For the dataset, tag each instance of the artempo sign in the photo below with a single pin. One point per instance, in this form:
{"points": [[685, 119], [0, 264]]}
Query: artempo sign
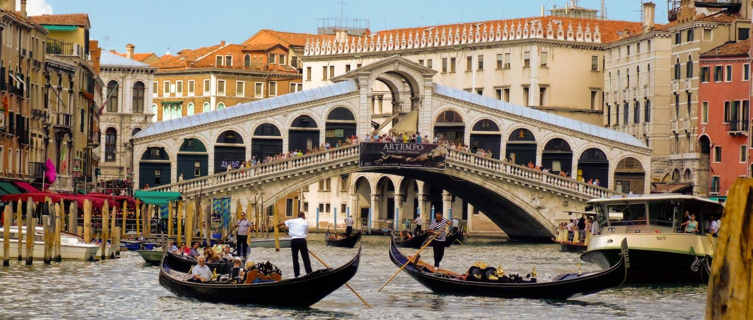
{"points": [[377, 154]]}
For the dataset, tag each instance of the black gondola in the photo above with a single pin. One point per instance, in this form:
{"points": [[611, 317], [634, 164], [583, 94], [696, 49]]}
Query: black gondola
{"points": [[346, 242], [183, 264], [296, 292], [562, 287], [418, 241]]}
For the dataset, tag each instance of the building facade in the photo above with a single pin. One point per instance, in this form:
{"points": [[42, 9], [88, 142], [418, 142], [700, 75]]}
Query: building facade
{"points": [[223, 75], [724, 115], [127, 96]]}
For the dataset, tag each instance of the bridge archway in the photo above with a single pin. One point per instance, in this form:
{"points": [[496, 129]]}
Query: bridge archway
{"points": [[154, 168], [593, 164], [557, 156], [193, 159], [229, 150], [362, 206], [629, 176], [521, 147], [449, 126], [409, 196], [486, 135], [266, 141], [385, 191], [303, 134], [340, 125]]}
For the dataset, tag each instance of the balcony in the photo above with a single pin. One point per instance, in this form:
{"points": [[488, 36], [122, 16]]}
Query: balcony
{"points": [[63, 121], [63, 48], [738, 127], [36, 169]]}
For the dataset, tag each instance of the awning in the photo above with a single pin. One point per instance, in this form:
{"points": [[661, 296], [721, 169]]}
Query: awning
{"points": [[34, 196], [60, 28], [8, 188], [155, 197], [721, 199], [26, 187]]}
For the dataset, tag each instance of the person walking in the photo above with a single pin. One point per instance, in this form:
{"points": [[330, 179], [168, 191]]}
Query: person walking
{"points": [[439, 227], [348, 225], [298, 231], [241, 244]]}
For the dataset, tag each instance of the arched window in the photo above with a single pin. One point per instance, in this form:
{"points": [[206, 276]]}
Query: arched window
{"points": [[190, 109], [112, 96], [206, 107], [637, 112], [220, 106], [485, 125], [111, 137], [647, 111], [154, 112], [626, 109], [689, 67], [247, 61], [138, 97], [135, 131]]}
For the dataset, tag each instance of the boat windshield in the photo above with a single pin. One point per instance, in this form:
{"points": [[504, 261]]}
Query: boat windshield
{"points": [[673, 214], [626, 214]]}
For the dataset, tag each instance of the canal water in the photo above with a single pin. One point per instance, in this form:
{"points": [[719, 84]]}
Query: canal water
{"points": [[127, 289]]}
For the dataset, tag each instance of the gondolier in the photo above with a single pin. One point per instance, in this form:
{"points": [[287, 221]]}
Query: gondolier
{"points": [[241, 244], [419, 222], [348, 225], [298, 230], [439, 227]]}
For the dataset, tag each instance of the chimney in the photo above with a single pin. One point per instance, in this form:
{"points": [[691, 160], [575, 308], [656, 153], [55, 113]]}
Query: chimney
{"points": [[95, 52], [129, 51], [23, 8], [222, 43], [649, 8]]}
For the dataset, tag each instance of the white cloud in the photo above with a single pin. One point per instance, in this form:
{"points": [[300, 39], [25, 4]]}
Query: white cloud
{"points": [[36, 7]]}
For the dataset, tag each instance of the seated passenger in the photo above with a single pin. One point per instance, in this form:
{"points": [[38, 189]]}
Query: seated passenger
{"points": [[194, 252], [173, 248], [226, 253], [692, 226], [237, 271], [211, 257], [201, 272]]}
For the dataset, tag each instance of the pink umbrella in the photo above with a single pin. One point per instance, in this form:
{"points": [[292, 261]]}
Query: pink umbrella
{"points": [[50, 172]]}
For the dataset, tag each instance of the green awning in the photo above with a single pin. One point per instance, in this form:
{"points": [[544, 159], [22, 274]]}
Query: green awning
{"points": [[60, 28], [8, 188], [156, 197], [718, 198]]}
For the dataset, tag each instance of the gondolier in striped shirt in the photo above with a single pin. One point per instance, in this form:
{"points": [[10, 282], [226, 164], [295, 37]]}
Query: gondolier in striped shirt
{"points": [[439, 227]]}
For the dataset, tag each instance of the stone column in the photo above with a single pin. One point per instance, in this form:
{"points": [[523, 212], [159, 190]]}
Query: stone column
{"points": [[373, 210], [469, 222], [446, 204], [398, 203], [354, 210]]}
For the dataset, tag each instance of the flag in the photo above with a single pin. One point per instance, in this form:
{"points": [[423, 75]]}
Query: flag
{"points": [[50, 173]]}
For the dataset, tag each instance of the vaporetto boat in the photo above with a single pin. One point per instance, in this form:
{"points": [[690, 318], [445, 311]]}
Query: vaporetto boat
{"points": [[661, 251], [72, 247]]}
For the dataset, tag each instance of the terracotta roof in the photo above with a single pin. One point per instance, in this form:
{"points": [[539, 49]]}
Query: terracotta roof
{"points": [[136, 56], [272, 36], [262, 46], [73, 19], [206, 57], [169, 61], [729, 49]]}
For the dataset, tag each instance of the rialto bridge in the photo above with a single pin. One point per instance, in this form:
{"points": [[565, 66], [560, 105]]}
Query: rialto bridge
{"points": [[192, 154]]}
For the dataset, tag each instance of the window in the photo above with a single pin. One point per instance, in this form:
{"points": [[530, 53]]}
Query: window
{"points": [[444, 65], [480, 62], [347, 68], [155, 88], [206, 107], [218, 61], [247, 61], [191, 109], [690, 35], [452, 65], [421, 61], [324, 73], [111, 137], [191, 87], [500, 61], [112, 96], [626, 115], [746, 72], [715, 184], [718, 73], [308, 73], [544, 59], [705, 74], [743, 153], [295, 87], [480, 91], [498, 92], [206, 87], [294, 61], [729, 74], [165, 88], [197, 168], [507, 60], [609, 115], [138, 97], [647, 111], [358, 65], [727, 111], [677, 69], [678, 38], [743, 33], [240, 88], [526, 59], [689, 68], [705, 112], [690, 103], [271, 58], [259, 90], [627, 48], [220, 87], [525, 96], [429, 64], [331, 72], [507, 94], [229, 61], [283, 59], [542, 96], [594, 63], [272, 88], [637, 112], [718, 154], [468, 64], [179, 87]]}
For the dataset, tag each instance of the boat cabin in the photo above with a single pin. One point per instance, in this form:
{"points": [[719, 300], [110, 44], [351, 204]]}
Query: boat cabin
{"points": [[654, 213]]}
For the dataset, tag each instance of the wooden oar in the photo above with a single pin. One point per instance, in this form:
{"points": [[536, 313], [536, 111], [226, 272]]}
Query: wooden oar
{"points": [[429, 241], [346, 284]]}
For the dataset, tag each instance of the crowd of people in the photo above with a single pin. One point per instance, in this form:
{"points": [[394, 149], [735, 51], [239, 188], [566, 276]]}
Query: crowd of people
{"points": [[580, 226]]}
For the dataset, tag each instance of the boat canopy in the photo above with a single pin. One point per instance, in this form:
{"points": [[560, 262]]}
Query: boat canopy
{"points": [[156, 197]]}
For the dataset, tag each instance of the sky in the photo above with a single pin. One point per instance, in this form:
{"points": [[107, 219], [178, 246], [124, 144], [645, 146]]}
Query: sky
{"points": [[162, 26]]}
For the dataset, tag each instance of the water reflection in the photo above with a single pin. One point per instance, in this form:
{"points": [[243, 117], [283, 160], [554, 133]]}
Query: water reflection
{"points": [[125, 288]]}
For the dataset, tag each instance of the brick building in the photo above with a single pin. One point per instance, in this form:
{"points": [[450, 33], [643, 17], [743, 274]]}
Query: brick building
{"points": [[214, 77], [724, 114]]}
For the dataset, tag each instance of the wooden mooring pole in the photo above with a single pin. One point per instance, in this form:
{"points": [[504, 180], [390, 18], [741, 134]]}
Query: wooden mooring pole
{"points": [[46, 237], [87, 221], [179, 224], [6, 234], [30, 230], [105, 215], [58, 229], [20, 224], [72, 217], [115, 243]]}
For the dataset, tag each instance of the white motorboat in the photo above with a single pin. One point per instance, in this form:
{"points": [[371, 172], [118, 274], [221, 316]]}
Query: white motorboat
{"points": [[72, 247]]}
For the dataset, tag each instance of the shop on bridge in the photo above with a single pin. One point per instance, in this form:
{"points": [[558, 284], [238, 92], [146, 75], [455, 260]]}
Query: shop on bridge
{"points": [[341, 124], [266, 141], [593, 164], [521, 147], [486, 135], [449, 126], [229, 151], [154, 168], [629, 176], [304, 134], [557, 157], [193, 159]]}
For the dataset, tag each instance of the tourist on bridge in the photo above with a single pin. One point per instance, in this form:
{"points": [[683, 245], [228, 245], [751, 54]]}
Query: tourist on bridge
{"points": [[241, 244], [298, 230], [348, 225], [439, 227]]}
